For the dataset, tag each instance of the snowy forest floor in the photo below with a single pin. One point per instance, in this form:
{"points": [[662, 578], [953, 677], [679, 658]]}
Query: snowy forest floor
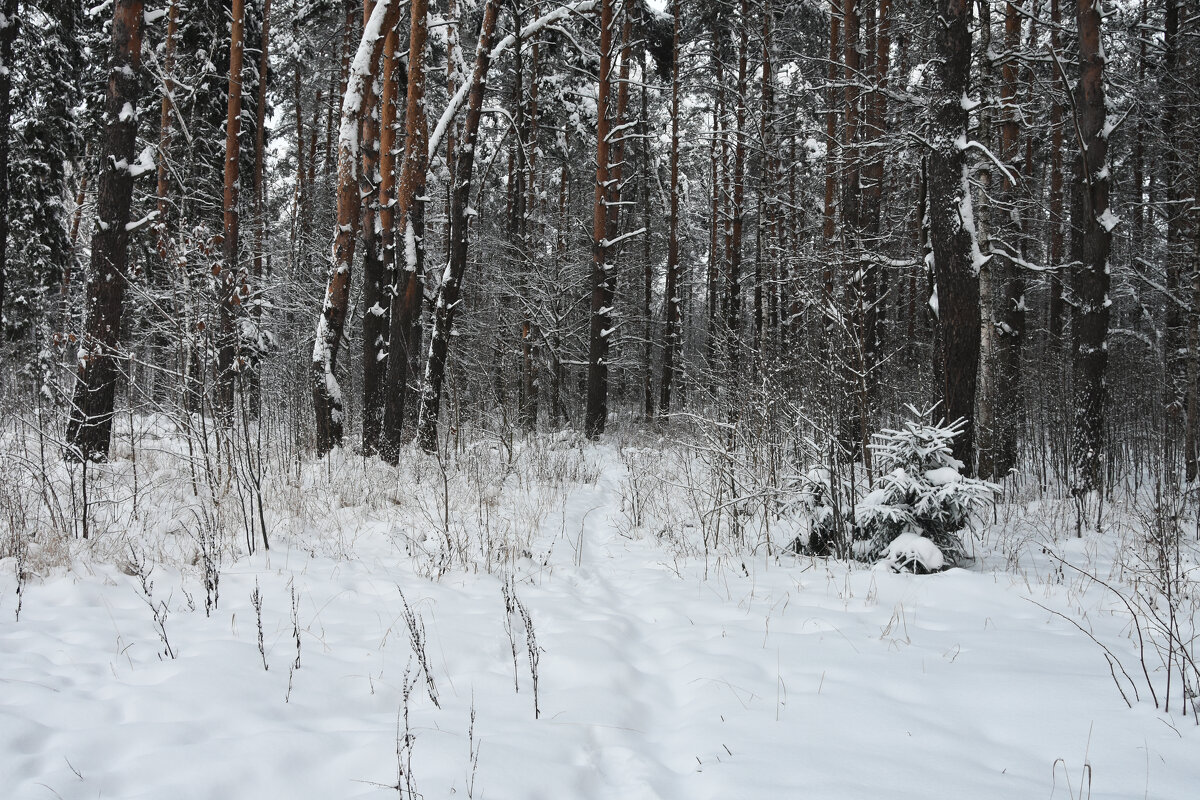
{"points": [[382, 646]]}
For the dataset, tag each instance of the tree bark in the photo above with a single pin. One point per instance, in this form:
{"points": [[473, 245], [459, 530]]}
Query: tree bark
{"points": [[327, 392], [1057, 201], [596, 414], [254, 386], [9, 26], [956, 255], [671, 327], [999, 386], [165, 135], [733, 277], [409, 288], [832, 144], [379, 275], [448, 292], [231, 281], [1091, 230], [89, 428]]}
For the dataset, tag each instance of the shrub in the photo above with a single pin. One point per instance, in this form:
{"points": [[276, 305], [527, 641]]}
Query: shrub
{"points": [[912, 516], [921, 491]]}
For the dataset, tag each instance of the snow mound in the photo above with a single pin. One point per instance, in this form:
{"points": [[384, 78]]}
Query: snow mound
{"points": [[911, 551]]}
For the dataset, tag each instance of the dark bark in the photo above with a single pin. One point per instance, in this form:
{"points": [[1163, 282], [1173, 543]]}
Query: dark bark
{"points": [[89, 428], [231, 281], [998, 440], [602, 277], [379, 273], [951, 231], [1057, 235], [1091, 237], [448, 294], [8, 35], [671, 327], [409, 285], [327, 393], [253, 385]]}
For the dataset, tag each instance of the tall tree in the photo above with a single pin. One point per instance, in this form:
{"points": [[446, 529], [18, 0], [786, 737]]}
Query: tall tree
{"points": [[89, 428], [379, 278], [1057, 195], [447, 299], [9, 25], [671, 332], [602, 277], [231, 285], [327, 392], [448, 293], [1092, 223], [956, 255], [409, 284]]}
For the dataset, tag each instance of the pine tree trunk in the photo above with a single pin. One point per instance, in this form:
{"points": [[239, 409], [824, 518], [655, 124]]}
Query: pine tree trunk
{"points": [[372, 255], [1177, 205], [671, 328], [1057, 234], [951, 228], [647, 158], [165, 135], [733, 278], [832, 170], [596, 414], [1010, 401], [377, 282], [1092, 223], [253, 381], [529, 332], [231, 281], [89, 428], [448, 293], [8, 35], [327, 393], [409, 287]]}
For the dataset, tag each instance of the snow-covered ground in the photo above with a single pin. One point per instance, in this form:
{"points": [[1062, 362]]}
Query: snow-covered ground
{"points": [[662, 671]]}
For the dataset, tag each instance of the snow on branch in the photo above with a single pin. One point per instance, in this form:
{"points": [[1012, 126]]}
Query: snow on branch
{"points": [[606, 243], [460, 97]]}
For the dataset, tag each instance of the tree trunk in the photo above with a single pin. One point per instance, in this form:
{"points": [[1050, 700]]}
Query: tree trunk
{"points": [[448, 292], [372, 256], [165, 132], [254, 386], [379, 276], [89, 428], [647, 157], [529, 332], [956, 255], [1057, 234], [8, 34], [1004, 322], [832, 143], [231, 282], [733, 278], [1091, 229], [327, 393], [671, 299], [409, 288], [1177, 210], [602, 279]]}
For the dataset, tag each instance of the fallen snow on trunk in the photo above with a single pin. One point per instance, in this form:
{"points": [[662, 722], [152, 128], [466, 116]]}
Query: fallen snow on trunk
{"points": [[659, 676]]}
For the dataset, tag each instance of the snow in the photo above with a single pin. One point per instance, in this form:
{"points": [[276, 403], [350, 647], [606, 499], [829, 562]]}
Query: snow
{"points": [[942, 476], [1108, 220], [666, 669], [912, 548]]}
